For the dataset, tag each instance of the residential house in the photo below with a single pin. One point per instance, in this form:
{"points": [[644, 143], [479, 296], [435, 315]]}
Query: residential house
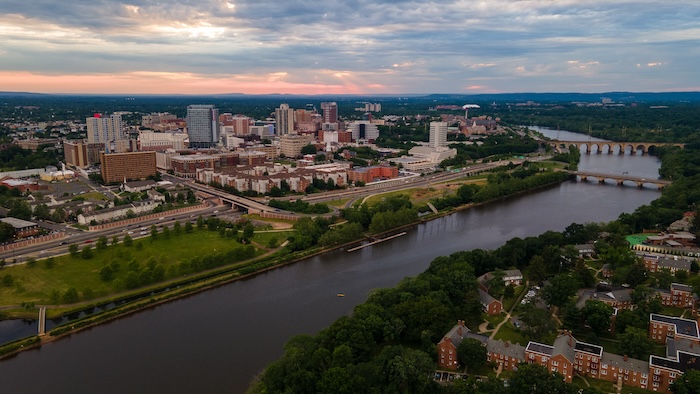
{"points": [[491, 305]]}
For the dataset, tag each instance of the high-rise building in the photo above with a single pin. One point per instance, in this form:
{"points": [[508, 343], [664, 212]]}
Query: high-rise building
{"points": [[438, 134], [363, 130], [284, 118], [104, 129], [330, 112], [76, 153], [203, 126], [118, 167]]}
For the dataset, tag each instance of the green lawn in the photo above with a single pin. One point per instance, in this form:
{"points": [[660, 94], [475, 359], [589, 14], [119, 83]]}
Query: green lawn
{"points": [[337, 203], [509, 333], [495, 319], [36, 284], [264, 238], [671, 311], [95, 196]]}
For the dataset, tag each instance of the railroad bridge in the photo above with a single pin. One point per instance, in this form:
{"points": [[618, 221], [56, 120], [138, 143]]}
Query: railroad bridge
{"points": [[612, 146], [620, 179]]}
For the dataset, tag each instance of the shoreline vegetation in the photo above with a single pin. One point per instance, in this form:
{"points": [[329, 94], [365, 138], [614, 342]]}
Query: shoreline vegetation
{"points": [[388, 343], [172, 290]]}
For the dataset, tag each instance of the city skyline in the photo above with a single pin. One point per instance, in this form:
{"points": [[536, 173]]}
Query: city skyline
{"points": [[335, 47]]}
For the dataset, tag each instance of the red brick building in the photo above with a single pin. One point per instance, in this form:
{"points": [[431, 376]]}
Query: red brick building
{"points": [[447, 347], [371, 174]]}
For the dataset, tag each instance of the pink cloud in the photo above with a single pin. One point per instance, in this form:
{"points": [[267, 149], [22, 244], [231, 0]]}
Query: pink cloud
{"points": [[173, 83]]}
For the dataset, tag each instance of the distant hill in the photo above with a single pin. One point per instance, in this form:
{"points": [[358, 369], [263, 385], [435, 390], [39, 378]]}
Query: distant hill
{"points": [[617, 97]]}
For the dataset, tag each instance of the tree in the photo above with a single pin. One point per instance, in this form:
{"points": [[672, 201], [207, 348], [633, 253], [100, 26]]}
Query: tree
{"points": [[106, 273], [471, 353], [248, 230], [627, 318], [536, 379], [42, 212], [188, 227], [73, 250], [538, 322], [70, 296], [688, 383], [496, 284], [154, 232], [308, 150], [200, 222], [7, 232], [128, 241], [583, 274], [635, 343], [597, 315], [101, 243], [177, 228], [86, 252], [561, 288]]}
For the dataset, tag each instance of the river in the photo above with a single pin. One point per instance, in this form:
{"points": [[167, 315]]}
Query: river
{"points": [[217, 341]]}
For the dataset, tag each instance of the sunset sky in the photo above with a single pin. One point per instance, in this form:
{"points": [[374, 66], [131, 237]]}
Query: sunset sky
{"points": [[348, 47]]}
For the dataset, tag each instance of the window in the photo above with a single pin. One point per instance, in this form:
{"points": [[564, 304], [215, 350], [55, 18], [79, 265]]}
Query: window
{"points": [[555, 363], [672, 374], [595, 359], [544, 359]]}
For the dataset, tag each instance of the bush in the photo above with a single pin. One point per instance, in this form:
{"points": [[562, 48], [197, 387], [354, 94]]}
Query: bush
{"points": [[70, 296]]}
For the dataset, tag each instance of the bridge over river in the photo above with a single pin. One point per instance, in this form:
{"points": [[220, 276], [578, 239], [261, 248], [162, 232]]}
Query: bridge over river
{"points": [[620, 179], [611, 147]]}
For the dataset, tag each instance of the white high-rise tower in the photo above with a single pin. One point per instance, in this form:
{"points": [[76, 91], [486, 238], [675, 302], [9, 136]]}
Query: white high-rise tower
{"points": [[438, 134]]}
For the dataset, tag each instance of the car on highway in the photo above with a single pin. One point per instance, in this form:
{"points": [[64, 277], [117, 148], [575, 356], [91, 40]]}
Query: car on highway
{"points": [[130, 232]]}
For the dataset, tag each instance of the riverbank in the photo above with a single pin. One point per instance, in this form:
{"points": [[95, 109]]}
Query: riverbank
{"points": [[209, 280]]}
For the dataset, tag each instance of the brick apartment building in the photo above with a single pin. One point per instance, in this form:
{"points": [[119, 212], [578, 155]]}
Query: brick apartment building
{"points": [[117, 167]]}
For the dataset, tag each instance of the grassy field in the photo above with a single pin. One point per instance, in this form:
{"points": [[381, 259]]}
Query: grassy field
{"points": [[418, 196], [37, 284], [508, 333]]}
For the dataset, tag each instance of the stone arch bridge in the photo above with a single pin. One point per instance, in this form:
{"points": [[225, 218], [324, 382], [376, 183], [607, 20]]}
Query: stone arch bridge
{"points": [[612, 146]]}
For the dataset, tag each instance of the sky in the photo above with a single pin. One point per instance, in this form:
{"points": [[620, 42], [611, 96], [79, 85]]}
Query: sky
{"points": [[348, 47]]}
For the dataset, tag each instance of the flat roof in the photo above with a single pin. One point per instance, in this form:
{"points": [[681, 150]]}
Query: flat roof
{"points": [[589, 348], [18, 223], [539, 348], [683, 326]]}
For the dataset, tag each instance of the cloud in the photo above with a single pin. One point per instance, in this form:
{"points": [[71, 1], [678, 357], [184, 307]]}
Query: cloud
{"points": [[402, 45]]}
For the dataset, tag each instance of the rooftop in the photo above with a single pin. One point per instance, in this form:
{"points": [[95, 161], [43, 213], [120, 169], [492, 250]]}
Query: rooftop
{"points": [[18, 223], [683, 326], [539, 348]]}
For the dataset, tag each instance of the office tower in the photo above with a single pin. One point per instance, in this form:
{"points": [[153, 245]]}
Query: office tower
{"points": [[330, 112], [203, 126], [438, 134], [104, 129], [363, 130], [284, 118]]}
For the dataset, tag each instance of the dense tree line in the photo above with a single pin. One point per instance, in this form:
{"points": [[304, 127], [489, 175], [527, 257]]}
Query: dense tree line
{"points": [[494, 145], [300, 206], [16, 158], [404, 323]]}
